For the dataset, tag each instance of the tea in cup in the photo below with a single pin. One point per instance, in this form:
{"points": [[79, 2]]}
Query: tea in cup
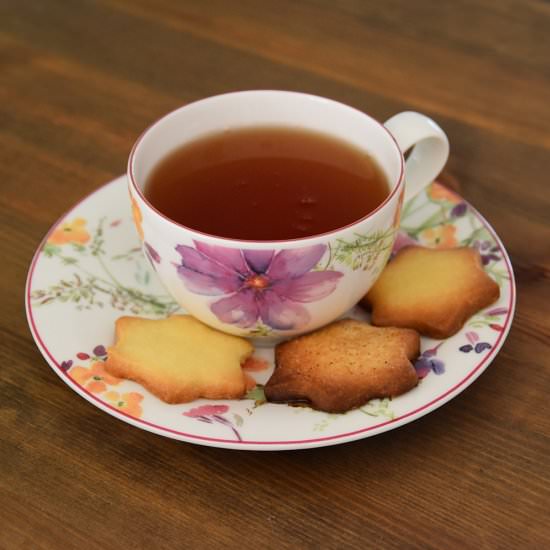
{"points": [[268, 214]]}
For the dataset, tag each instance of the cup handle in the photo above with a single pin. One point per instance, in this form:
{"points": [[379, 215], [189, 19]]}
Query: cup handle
{"points": [[430, 148]]}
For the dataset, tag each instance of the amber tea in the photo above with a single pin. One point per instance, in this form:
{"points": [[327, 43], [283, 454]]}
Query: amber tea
{"points": [[266, 183]]}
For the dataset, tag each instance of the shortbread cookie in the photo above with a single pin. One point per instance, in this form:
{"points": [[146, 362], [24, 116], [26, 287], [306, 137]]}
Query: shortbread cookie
{"points": [[344, 365], [433, 291], [179, 359]]}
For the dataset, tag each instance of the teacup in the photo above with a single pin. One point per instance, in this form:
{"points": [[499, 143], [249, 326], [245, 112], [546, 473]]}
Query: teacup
{"points": [[275, 289]]}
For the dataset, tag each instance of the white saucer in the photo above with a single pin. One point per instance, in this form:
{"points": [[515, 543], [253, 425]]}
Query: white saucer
{"points": [[89, 270]]}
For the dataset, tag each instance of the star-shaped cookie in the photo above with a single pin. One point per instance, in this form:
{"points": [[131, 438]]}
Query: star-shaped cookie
{"points": [[344, 365], [179, 359], [433, 291]]}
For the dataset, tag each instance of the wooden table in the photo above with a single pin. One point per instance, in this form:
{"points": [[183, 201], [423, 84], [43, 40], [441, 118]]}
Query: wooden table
{"points": [[79, 82]]}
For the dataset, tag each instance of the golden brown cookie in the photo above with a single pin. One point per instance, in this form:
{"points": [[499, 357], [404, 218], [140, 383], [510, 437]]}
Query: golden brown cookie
{"points": [[179, 359], [433, 291], [344, 365]]}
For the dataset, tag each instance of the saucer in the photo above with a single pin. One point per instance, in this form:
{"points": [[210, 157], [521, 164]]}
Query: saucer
{"points": [[89, 270]]}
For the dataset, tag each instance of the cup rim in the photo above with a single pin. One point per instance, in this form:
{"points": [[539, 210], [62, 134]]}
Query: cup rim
{"points": [[132, 179]]}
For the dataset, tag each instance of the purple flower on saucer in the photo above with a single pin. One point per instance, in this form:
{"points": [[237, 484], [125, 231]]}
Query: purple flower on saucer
{"points": [[459, 210], [428, 362], [488, 251], [257, 284]]}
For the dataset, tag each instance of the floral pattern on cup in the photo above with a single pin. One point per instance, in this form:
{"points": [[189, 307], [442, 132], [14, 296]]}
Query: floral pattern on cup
{"points": [[152, 255], [137, 216], [257, 285]]}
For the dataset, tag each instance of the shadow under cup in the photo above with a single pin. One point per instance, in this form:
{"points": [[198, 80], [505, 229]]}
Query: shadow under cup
{"points": [[267, 289]]}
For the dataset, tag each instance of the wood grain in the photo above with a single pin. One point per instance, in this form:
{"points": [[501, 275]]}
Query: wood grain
{"points": [[78, 83]]}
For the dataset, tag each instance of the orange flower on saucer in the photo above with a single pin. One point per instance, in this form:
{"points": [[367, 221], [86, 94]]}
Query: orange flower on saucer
{"points": [[129, 403], [138, 218], [438, 192], [442, 236], [255, 364], [70, 232], [94, 379]]}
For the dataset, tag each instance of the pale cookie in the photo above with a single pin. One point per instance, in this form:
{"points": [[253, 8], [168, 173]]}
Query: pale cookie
{"points": [[433, 291], [179, 359], [344, 365]]}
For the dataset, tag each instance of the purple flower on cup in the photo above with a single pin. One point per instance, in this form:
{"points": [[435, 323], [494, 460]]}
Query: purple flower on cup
{"points": [[257, 284], [152, 254]]}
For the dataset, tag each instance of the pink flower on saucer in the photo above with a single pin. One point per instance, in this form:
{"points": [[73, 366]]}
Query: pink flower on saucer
{"points": [[206, 410], [257, 284]]}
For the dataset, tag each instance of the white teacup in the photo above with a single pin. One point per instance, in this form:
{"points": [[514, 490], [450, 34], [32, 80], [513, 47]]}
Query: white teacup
{"points": [[274, 289]]}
